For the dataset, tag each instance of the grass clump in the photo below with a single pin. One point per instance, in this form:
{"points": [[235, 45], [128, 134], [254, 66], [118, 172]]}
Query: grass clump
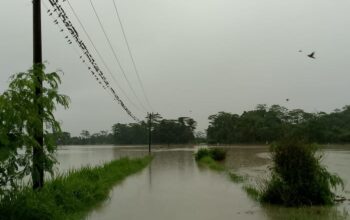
{"points": [[210, 157], [236, 178], [217, 154], [69, 196], [211, 163], [252, 192], [298, 177]]}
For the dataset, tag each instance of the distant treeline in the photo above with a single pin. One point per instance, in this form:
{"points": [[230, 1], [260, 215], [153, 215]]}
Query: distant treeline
{"points": [[164, 131], [266, 124]]}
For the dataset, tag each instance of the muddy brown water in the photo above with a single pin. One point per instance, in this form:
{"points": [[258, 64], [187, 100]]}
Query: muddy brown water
{"points": [[174, 187]]}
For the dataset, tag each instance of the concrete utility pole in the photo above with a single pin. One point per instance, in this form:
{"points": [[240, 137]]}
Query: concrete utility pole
{"points": [[38, 151], [150, 115]]}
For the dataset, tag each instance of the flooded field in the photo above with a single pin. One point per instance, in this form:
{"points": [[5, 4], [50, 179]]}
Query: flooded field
{"points": [[174, 187]]}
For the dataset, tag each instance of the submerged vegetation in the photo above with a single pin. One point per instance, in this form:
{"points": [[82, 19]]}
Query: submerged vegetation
{"points": [[217, 154], [298, 178], [236, 178], [210, 157], [69, 196], [211, 163]]}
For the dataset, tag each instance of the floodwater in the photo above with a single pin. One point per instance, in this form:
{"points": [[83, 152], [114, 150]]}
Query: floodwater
{"points": [[174, 187]]}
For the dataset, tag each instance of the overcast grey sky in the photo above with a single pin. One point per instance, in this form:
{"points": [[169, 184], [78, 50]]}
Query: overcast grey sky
{"points": [[195, 57]]}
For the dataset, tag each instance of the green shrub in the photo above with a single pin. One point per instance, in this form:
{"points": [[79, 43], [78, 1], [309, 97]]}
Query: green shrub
{"points": [[252, 192], [201, 153], [298, 177], [236, 178], [217, 154]]}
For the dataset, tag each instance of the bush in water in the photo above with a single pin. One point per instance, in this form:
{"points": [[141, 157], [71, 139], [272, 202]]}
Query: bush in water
{"points": [[217, 154], [298, 177]]}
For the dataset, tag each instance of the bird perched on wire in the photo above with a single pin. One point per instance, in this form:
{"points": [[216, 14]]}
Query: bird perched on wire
{"points": [[312, 55]]}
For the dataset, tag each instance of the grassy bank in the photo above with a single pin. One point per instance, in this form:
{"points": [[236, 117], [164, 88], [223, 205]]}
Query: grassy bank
{"points": [[211, 157], [211, 163], [70, 196]]}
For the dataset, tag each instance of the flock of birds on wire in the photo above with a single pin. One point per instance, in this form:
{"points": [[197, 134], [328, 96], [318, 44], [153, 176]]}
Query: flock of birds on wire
{"points": [[89, 61]]}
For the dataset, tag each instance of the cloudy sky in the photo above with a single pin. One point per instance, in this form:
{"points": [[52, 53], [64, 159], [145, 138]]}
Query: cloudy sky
{"points": [[195, 57]]}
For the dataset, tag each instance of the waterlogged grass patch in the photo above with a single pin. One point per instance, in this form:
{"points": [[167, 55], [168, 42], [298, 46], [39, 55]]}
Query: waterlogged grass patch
{"points": [[252, 192], [210, 157], [211, 163], [69, 196], [217, 154], [236, 178]]}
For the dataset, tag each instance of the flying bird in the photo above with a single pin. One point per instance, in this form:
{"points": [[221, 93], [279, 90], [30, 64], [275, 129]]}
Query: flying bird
{"points": [[287, 100], [312, 55], [300, 51]]}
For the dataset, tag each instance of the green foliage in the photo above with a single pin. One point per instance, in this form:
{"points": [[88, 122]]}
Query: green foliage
{"points": [[210, 157], [203, 152], [22, 113], [102, 137], [69, 196], [133, 133], [267, 124], [236, 178], [211, 163], [217, 154], [252, 192], [298, 178], [164, 131]]}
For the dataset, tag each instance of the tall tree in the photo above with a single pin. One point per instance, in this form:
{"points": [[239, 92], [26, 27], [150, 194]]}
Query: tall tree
{"points": [[20, 120]]}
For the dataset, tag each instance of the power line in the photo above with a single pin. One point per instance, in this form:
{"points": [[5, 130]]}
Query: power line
{"points": [[131, 55], [115, 54], [100, 56], [76, 50], [96, 71]]}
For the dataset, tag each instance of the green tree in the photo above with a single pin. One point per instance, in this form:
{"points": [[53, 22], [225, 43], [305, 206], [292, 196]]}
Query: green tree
{"points": [[64, 138], [265, 125], [20, 117], [133, 133]]}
